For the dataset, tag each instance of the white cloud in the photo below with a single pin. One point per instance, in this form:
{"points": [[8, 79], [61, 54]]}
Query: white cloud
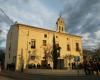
{"points": [[88, 41], [97, 34], [86, 36], [31, 12], [35, 13]]}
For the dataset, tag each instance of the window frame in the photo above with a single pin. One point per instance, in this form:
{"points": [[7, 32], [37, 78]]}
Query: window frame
{"points": [[68, 47], [44, 42], [33, 43], [77, 47], [45, 35]]}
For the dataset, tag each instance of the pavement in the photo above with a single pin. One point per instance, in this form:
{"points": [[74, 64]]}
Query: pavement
{"points": [[5, 78], [56, 72], [43, 74]]}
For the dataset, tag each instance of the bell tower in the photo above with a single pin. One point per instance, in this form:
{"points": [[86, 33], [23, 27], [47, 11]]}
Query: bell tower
{"points": [[60, 25]]}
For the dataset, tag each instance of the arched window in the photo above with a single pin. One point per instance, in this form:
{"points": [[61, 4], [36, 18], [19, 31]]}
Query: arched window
{"points": [[59, 28], [77, 46], [68, 47], [33, 43], [62, 28], [44, 42]]}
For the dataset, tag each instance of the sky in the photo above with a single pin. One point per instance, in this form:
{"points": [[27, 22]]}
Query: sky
{"points": [[82, 17]]}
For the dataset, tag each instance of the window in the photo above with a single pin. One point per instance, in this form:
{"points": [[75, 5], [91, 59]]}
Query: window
{"points": [[56, 36], [45, 35], [9, 48], [32, 57], [59, 28], [14, 58], [67, 38], [44, 42], [77, 46], [62, 28], [61, 22], [68, 47], [9, 55], [33, 43]]}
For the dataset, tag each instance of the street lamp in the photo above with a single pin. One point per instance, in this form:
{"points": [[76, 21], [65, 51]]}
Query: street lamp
{"points": [[58, 53]]}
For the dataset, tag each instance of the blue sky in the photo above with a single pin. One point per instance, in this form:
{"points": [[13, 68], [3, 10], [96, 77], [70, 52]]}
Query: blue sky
{"points": [[82, 17]]}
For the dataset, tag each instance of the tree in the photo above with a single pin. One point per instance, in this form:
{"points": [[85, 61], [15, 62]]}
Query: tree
{"points": [[97, 53], [2, 57], [98, 50], [55, 53]]}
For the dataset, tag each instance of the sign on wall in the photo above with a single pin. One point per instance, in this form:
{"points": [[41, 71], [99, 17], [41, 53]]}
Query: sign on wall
{"points": [[77, 58]]}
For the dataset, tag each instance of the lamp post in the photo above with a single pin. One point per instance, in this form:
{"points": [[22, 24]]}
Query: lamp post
{"points": [[58, 53]]}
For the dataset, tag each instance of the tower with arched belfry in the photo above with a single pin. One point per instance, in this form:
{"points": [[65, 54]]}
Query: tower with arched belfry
{"points": [[60, 25]]}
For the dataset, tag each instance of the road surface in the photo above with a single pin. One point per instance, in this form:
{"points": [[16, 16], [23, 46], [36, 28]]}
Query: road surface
{"points": [[5, 78], [52, 75]]}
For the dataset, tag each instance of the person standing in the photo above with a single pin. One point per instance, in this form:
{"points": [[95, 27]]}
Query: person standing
{"points": [[97, 68], [85, 66]]}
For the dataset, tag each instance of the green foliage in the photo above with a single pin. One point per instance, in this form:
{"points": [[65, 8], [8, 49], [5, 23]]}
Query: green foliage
{"points": [[2, 56], [55, 54]]}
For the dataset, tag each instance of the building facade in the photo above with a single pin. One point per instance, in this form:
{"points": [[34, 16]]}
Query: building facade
{"points": [[29, 45]]}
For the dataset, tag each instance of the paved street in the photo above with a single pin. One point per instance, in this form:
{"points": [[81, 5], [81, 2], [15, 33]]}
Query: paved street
{"points": [[40, 76], [53, 78], [55, 72], [5, 78]]}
